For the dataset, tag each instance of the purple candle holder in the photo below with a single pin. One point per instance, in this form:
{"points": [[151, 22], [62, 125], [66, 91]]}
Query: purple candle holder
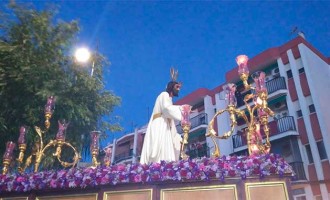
{"points": [[241, 61], [95, 136], [21, 138], [10, 146], [50, 105], [186, 109], [230, 90], [62, 126], [259, 79]]}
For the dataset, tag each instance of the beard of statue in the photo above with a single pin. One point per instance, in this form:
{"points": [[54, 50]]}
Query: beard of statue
{"points": [[175, 92]]}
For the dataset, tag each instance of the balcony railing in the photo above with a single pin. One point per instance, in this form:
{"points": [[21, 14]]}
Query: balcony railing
{"points": [[199, 152], [123, 156], [276, 84], [195, 122], [298, 168], [279, 126], [272, 86]]}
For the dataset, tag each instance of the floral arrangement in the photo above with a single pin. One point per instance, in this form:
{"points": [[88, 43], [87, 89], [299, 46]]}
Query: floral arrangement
{"points": [[199, 169]]}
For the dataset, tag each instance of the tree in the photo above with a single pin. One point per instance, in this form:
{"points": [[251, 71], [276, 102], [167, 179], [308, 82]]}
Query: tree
{"points": [[35, 62]]}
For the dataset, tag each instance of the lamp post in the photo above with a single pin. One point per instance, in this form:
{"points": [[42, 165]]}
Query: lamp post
{"points": [[83, 55]]}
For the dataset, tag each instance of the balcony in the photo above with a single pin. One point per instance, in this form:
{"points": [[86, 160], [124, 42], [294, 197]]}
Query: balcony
{"points": [[123, 157], [199, 151], [277, 127], [196, 121], [273, 85], [298, 168]]}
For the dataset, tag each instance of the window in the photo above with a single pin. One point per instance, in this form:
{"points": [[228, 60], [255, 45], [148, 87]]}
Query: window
{"points": [[321, 149], [299, 194], [289, 73], [309, 154], [311, 108], [299, 113], [301, 70]]}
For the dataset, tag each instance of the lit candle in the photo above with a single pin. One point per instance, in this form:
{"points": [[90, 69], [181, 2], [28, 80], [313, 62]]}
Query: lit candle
{"points": [[10, 146], [21, 138], [241, 61]]}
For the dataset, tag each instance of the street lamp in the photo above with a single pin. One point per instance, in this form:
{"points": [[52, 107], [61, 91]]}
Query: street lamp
{"points": [[83, 55]]}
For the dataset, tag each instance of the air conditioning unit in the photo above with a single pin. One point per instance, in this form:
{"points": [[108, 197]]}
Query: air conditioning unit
{"points": [[277, 116], [267, 79], [276, 72], [285, 113]]}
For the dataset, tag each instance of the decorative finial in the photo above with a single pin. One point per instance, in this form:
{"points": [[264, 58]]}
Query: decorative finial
{"points": [[174, 74]]}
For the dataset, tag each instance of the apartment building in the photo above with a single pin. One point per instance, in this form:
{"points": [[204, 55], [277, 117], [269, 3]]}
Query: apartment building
{"points": [[298, 79]]}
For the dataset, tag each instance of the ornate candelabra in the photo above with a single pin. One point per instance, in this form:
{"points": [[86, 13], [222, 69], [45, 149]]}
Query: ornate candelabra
{"points": [[257, 113], [38, 150], [94, 147], [185, 124]]}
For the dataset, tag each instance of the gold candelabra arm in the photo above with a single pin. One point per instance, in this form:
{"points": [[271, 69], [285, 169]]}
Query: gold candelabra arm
{"points": [[184, 142], [58, 149], [22, 148], [40, 134], [48, 115], [213, 134], [76, 156], [40, 154], [6, 163], [95, 153], [246, 99], [28, 162]]}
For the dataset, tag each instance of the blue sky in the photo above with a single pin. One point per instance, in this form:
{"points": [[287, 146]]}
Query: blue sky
{"points": [[201, 39]]}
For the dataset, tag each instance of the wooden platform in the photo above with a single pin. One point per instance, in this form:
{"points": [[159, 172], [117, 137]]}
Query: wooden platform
{"points": [[232, 189]]}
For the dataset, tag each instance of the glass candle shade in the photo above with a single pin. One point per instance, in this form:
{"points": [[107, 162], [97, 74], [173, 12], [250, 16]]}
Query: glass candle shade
{"points": [[230, 90], [60, 135], [10, 146], [186, 109], [241, 61], [259, 79], [107, 156], [50, 105], [21, 138], [94, 145]]}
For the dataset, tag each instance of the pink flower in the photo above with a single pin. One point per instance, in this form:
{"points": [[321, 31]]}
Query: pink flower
{"points": [[20, 179], [232, 173], [226, 166], [53, 183], [137, 178]]}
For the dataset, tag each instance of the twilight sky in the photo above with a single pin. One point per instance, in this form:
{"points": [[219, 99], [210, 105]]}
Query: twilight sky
{"points": [[143, 39]]}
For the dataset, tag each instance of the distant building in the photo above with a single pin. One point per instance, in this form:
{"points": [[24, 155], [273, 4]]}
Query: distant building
{"points": [[298, 83]]}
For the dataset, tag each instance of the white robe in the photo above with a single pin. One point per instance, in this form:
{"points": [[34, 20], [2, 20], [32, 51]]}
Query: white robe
{"points": [[161, 141]]}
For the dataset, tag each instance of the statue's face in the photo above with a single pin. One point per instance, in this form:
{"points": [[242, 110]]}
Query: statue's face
{"points": [[176, 89]]}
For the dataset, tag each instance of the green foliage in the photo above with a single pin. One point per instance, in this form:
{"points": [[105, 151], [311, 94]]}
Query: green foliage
{"points": [[35, 63]]}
